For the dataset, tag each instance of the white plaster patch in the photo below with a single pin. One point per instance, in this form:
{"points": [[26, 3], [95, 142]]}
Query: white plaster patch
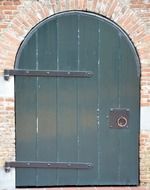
{"points": [[6, 87], [145, 118], [126, 1], [146, 1], [7, 180]]}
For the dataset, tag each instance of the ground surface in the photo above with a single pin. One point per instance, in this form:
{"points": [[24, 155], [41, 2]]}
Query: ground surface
{"points": [[90, 188]]}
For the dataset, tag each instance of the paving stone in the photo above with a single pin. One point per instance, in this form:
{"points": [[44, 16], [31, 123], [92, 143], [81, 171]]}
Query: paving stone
{"points": [[88, 188]]}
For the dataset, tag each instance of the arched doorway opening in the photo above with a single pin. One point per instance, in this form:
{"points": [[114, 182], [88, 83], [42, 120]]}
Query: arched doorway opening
{"points": [[77, 103]]}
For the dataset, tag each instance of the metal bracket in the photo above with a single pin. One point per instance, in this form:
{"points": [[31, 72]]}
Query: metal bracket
{"points": [[50, 73], [119, 118], [47, 165]]}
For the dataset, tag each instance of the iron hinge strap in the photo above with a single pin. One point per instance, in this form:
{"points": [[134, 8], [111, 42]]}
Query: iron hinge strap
{"points": [[47, 165], [47, 73]]}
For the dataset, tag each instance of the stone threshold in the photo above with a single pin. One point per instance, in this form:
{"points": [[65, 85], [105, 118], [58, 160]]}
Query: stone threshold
{"points": [[87, 188]]}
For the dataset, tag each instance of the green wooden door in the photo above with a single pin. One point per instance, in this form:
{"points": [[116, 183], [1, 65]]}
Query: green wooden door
{"points": [[77, 119]]}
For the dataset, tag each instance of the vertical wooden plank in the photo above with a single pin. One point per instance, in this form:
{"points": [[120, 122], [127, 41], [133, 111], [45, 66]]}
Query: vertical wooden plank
{"points": [[67, 58], [25, 94], [109, 138], [129, 98], [46, 141], [87, 99]]}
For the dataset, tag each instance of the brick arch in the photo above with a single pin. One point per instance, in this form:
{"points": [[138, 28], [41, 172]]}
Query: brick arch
{"points": [[35, 12], [32, 13]]}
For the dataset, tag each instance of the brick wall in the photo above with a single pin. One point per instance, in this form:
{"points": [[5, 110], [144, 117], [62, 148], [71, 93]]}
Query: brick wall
{"points": [[145, 158], [7, 141], [8, 9], [142, 9], [17, 17]]}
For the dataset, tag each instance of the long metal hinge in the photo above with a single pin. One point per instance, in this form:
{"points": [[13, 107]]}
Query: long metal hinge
{"points": [[47, 165], [49, 73]]}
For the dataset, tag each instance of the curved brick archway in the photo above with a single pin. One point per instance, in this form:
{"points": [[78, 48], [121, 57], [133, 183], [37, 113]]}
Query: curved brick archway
{"points": [[31, 13], [35, 12]]}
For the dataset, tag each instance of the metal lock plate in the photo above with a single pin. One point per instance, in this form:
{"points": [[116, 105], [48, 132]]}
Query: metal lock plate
{"points": [[118, 118]]}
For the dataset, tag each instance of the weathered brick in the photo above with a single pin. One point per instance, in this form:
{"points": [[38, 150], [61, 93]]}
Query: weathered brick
{"points": [[111, 8], [18, 17]]}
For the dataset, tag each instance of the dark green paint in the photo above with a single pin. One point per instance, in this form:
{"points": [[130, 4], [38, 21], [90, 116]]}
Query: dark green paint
{"points": [[26, 117], [66, 119], [87, 99], [46, 103], [66, 97]]}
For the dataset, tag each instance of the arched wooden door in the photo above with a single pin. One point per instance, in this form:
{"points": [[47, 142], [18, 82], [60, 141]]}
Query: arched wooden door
{"points": [[77, 103]]}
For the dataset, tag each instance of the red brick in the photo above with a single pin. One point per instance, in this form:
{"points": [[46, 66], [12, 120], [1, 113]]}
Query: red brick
{"points": [[87, 188], [8, 2], [103, 188], [9, 99], [8, 7], [62, 5], [134, 24], [17, 2], [7, 12], [84, 4], [1, 99], [94, 4], [3, 25], [111, 8]]}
